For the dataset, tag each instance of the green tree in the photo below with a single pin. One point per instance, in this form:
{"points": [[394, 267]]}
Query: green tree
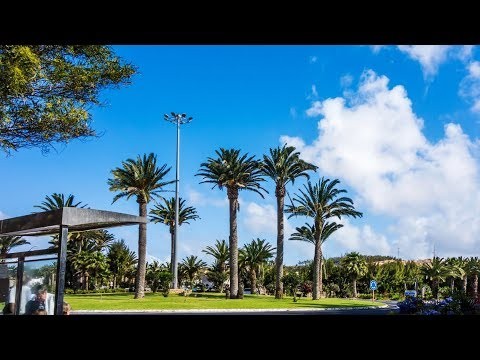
{"points": [[190, 268], [253, 256], [57, 201], [457, 268], [292, 281], [235, 172], [307, 233], [165, 213], [283, 165], [321, 202], [48, 91], [154, 275], [473, 270], [356, 267], [435, 272], [120, 259], [143, 179], [7, 243], [218, 271], [220, 253]]}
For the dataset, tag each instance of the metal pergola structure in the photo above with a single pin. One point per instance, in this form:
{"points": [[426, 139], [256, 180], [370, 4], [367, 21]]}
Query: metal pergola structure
{"points": [[59, 222]]}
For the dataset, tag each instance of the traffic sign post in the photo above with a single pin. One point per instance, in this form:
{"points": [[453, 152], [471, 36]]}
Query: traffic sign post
{"points": [[373, 287]]}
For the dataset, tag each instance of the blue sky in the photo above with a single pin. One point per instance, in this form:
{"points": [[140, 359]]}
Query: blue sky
{"points": [[398, 125]]}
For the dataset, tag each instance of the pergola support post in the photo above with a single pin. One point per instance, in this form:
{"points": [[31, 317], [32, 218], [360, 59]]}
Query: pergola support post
{"points": [[61, 269]]}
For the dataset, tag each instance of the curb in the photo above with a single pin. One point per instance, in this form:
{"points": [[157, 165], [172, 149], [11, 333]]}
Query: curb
{"points": [[225, 310]]}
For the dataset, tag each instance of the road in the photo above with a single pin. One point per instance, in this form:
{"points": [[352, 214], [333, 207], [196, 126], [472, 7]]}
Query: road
{"points": [[390, 308]]}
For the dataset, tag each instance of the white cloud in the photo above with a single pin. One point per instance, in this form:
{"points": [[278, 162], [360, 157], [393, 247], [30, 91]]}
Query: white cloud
{"points": [[2, 215], [314, 91], [375, 145], [196, 198], [316, 109], [346, 80], [150, 259], [431, 57], [362, 239], [376, 48], [313, 59], [263, 219], [465, 52], [470, 86]]}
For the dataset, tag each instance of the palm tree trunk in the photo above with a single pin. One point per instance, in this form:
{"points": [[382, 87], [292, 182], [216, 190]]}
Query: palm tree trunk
{"points": [[317, 274], [452, 285], [87, 278], [464, 286], [142, 253], [253, 279], [435, 288], [114, 282], [475, 286], [172, 251], [233, 241], [355, 288], [280, 237]]}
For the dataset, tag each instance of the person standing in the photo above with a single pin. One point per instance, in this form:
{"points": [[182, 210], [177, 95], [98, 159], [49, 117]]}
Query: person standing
{"points": [[25, 296], [42, 301]]}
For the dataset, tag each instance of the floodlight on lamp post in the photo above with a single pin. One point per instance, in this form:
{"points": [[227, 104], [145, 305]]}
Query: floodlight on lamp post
{"points": [[178, 119]]}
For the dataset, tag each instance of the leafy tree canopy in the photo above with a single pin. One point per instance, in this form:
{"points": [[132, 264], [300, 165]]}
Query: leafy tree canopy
{"points": [[47, 92]]}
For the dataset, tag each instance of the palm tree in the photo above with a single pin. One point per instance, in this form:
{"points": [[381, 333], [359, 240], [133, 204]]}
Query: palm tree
{"points": [[143, 179], [165, 213], [7, 243], [58, 201], [321, 202], [283, 166], [457, 269], [435, 271], [473, 269], [120, 259], [154, 274], [220, 252], [235, 172], [356, 266], [190, 267], [218, 271], [253, 256], [307, 233]]}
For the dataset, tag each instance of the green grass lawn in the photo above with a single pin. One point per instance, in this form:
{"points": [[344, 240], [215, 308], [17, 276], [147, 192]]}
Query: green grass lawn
{"points": [[125, 301]]}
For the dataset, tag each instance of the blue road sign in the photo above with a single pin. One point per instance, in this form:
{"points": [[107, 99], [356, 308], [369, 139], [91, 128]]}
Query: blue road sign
{"points": [[373, 285]]}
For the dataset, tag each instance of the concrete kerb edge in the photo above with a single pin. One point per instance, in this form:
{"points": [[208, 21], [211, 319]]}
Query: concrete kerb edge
{"points": [[227, 310]]}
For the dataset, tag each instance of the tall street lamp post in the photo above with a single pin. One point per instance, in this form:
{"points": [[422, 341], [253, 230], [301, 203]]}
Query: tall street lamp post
{"points": [[177, 119]]}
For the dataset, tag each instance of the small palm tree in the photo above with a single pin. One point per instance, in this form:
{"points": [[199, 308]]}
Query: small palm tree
{"points": [[253, 256], [119, 258], [321, 202], [307, 233], [436, 272], [473, 269], [143, 179], [190, 267], [7, 243], [58, 201], [220, 252], [235, 172], [165, 213], [457, 270], [356, 267], [283, 166]]}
